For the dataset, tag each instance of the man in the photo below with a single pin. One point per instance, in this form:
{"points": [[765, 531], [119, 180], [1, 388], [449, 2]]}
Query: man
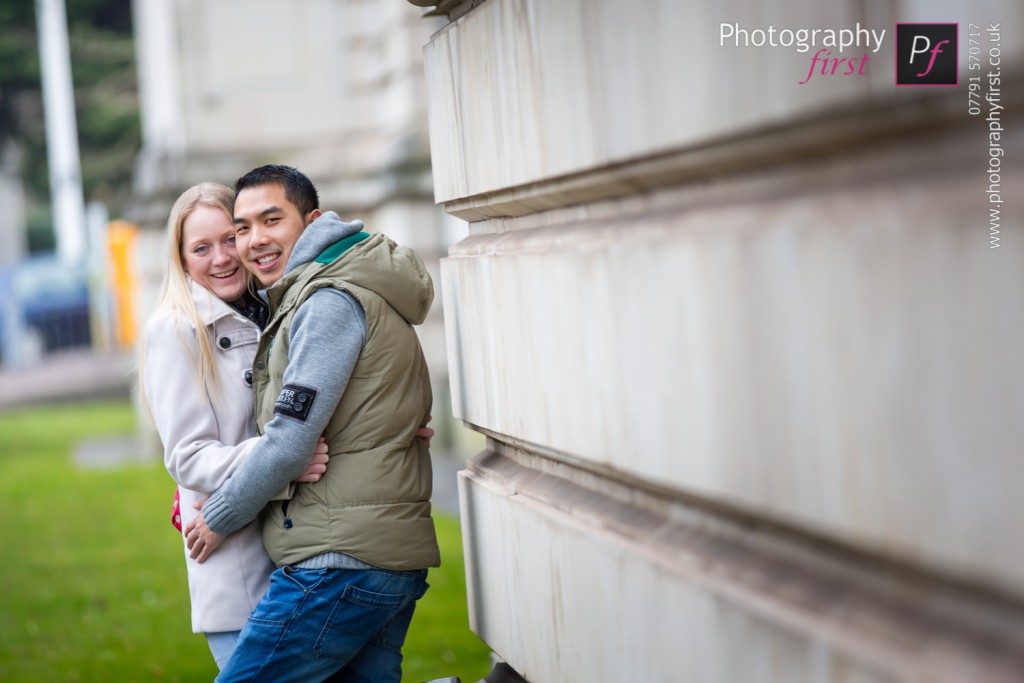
{"points": [[339, 357]]}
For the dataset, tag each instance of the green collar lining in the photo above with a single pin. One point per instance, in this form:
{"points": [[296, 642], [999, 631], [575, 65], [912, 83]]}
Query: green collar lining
{"points": [[332, 252]]}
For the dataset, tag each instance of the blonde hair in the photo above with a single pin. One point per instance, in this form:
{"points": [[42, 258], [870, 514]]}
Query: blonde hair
{"points": [[176, 291]]}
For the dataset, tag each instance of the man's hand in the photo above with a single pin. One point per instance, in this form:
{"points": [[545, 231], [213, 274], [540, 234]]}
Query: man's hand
{"points": [[426, 433], [200, 539], [318, 466]]}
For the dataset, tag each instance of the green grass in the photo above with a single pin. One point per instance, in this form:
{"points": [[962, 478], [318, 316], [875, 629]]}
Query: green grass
{"points": [[92, 580]]}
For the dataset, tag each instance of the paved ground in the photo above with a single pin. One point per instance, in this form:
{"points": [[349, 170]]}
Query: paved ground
{"points": [[69, 376]]}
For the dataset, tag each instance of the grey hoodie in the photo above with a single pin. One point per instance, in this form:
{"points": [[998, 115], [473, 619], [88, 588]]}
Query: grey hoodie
{"points": [[326, 337]]}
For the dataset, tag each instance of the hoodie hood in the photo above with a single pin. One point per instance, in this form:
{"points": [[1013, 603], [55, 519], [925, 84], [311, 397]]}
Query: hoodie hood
{"points": [[394, 273], [318, 235], [376, 263]]}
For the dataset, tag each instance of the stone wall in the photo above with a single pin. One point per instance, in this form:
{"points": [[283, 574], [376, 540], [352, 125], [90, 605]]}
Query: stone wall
{"points": [[742, 348]]}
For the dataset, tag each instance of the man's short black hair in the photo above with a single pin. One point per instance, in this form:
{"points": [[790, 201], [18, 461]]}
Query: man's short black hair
{"points": [[297, 187]]}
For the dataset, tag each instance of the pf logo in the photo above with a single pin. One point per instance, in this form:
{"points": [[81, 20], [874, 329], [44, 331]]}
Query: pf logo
{"points": [[926, 54]]}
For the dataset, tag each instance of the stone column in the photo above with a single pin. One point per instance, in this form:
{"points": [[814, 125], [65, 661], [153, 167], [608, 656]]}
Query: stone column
{"points": [[745, 351]]}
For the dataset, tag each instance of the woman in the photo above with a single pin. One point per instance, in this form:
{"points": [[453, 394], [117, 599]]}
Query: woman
{"points": [[197, 350]]}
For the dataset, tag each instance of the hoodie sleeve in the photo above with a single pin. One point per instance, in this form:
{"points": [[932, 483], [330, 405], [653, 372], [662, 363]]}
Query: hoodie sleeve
{"points": [[326, 337], [184, 417]]}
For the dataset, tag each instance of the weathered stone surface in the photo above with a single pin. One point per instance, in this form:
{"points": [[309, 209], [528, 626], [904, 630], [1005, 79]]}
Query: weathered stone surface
{"points": [[772, 307], [580, 580], [832, 347], [523, 92]]}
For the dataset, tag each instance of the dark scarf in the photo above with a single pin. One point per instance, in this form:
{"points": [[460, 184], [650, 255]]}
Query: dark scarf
{"points": [[253, 308]]}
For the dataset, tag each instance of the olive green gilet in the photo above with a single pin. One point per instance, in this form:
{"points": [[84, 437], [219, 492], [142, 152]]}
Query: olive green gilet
{"points": [[374, 501]]}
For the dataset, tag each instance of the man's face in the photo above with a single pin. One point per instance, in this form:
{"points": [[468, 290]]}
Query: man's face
{"points": [[267, 226]]}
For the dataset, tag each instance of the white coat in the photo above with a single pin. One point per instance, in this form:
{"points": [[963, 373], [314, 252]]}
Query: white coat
{"points": [[204, 440]]}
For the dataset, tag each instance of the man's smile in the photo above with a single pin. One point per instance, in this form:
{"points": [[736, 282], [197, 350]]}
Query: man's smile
{"points": [[265, 260]]}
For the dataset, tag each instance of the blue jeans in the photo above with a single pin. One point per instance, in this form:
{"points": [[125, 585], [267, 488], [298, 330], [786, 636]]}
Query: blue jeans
{"points": [[342, 625]]}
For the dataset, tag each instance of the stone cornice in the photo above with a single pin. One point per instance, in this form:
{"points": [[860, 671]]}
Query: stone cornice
{"points": [[452, 8]]}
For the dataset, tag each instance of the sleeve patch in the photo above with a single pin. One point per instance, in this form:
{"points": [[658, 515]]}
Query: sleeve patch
{"points": [[295, 401]]}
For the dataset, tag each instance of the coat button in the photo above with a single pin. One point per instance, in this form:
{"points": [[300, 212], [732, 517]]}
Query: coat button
{"points": [[225, 343], [248, 377], [260, 365]]}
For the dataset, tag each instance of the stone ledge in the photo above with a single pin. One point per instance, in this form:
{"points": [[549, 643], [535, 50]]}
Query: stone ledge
{"points": [[69, 376], [902, 622], [815, 136]]}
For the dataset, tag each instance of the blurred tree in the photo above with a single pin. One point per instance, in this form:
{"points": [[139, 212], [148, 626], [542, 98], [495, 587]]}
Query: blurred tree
{"points": [[106, 97]]}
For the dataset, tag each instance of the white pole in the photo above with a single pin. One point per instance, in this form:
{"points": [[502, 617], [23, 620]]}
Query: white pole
{"points": [[97, 220], [61, 131]]}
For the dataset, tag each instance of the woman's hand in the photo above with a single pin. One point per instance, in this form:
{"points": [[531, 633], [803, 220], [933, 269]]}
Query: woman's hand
{"points": [[317, 466], [201, 539]]}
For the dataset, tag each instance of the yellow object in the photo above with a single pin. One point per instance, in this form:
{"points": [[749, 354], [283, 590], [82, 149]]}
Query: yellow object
{"points": [[121, 236]]}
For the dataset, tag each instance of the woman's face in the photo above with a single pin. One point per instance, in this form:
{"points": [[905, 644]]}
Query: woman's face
{"points": [[208, 252]]}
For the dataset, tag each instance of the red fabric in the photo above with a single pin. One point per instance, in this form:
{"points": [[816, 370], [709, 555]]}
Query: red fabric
{"points": [[176, 511]]}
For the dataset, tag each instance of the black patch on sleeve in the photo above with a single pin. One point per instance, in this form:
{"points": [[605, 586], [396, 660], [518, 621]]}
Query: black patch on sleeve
{"points": [[295, 401]]}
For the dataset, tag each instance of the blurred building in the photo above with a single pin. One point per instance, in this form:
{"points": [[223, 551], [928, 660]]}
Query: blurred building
{"points": [[12, 198], [745, 351], [332, 87]]}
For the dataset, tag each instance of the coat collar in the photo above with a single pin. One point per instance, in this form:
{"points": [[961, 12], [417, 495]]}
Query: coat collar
{"points": [[209, 307]]}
